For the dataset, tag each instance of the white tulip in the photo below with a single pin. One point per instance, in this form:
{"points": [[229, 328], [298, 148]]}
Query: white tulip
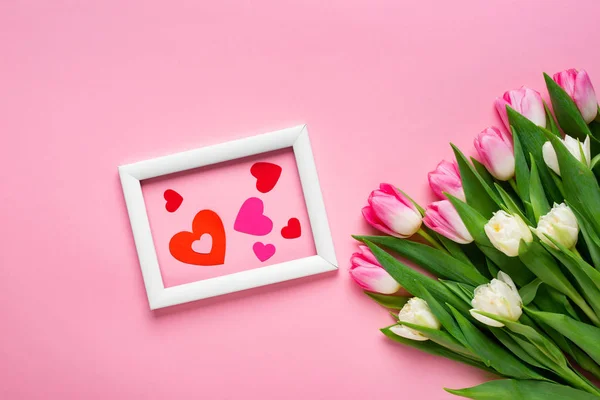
{"points": [[574, 146], [560, 224], [499, 297], [417, 312], [506, 231]]}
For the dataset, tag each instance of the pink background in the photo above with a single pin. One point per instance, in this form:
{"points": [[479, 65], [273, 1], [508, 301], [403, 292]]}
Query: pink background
{"points": [[223, 188], [383, 85]]}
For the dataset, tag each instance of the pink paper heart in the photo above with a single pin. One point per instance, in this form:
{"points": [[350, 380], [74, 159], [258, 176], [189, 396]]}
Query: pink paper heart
{"points": [[250, 218], [203, 245], [263, 251]]}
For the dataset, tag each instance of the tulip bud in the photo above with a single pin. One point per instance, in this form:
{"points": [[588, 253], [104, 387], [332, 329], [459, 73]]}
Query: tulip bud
{"points": [[446, 178], [369, 274], [560, 224], [391, 212], [442, 217], [525, 101], [499, 297], [574, 146], [416, 312], [496, 153], [578, 85], [506, 231]]}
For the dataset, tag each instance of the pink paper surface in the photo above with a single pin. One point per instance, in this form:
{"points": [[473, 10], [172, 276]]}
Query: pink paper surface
{"points": [[223, 188], [383, 85]]}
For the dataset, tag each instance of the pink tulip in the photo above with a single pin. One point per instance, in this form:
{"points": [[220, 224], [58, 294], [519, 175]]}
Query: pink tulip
{"points": [[525, 101], [578, 85], [496, 153], [369, 274], [446, 178], [391, 212], [442, 217]]}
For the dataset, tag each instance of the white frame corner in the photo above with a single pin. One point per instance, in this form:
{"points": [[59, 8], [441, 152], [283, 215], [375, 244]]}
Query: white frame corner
{"points": [[132, 174]]}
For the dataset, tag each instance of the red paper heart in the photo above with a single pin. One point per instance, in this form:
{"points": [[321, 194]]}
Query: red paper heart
{"points": [[173, 199], [266, 174], [205, 222], [292, 230]]}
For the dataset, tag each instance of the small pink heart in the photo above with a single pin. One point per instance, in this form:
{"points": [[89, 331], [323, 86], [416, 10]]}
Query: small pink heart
{"points": [[203, 245], [250, 218], [263, 251]]}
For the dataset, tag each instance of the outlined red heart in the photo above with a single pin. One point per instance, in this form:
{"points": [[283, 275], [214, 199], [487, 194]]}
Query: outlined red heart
{"points": [[205, 222], [266, 174], [173, 199], [292, 230]]}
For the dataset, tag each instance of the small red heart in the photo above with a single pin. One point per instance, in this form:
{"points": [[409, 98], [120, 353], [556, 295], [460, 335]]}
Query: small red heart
{"points": [[292, 230], [173, 199], [266, 174]]}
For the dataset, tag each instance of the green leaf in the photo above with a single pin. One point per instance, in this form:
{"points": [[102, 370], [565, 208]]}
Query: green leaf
{"points": [[491, 353], [393, 302], [435, 349], [442, 338], [491, 267], [583, 335], [442, 315], [591, 238], [549, 349], [475, 223], [455, 249], [529, 291], [532, 138], [522, 390], [567, 113], [587, 278], [412, 280], [515, 346], [539, 203], [478, 193], [457, 290], [436, 261], [579, 183], [550, 121], [511, 206], [522, 174], [483, 172], [543, 265]]}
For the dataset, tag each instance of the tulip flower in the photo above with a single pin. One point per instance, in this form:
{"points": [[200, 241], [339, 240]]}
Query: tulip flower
{"points": [[578, 85], [369, 274], [392, 212], [575, 148], [496, 153], [525, 101], [499, 297], [446, 178], [416, 312], [442, 217], [560, 224], [506, 231]]}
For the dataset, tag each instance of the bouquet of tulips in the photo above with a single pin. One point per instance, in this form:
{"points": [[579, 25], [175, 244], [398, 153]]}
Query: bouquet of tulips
{"points": [[513, 245]]}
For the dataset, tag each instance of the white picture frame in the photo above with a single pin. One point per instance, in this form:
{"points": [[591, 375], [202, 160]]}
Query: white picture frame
{"points": [[132, 174]]}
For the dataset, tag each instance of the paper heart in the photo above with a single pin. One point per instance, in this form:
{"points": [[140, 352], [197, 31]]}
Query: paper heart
{"points": [[203, 245], [250, 218], [292, 230], [263, 251], [206, 222], [173, 199], [266, 174]]}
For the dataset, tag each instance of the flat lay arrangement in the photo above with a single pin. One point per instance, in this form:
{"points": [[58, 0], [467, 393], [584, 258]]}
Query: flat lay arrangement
{"points": [[512, 250]]}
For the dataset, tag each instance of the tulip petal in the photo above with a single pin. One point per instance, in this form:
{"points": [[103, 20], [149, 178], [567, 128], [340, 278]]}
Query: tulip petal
{"points": [[407, 333], [485, 320], [584, 96], [372, 219]]}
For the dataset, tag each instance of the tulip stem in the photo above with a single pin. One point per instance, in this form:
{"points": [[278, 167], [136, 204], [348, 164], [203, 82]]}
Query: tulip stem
{"points": [[513, 184], [430, 239]]}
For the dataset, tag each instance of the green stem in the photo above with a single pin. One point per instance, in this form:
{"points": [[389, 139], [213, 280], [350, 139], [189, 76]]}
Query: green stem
{"points": [[513, 184], [431, 240]]}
